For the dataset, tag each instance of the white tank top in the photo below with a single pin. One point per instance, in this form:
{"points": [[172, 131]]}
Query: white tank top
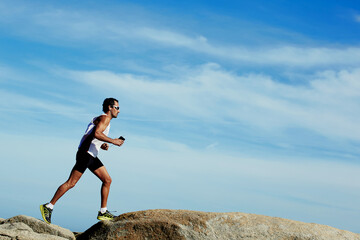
{"points": [[92, 147]]}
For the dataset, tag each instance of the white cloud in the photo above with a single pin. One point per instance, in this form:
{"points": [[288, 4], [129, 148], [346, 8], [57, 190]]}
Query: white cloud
{"points": [[286, 55], [65, 26], [326, 105], [172, 38]]}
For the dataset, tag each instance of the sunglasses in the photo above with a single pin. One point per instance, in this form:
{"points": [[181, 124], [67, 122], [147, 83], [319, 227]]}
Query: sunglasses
{"points": [[116, 107]]}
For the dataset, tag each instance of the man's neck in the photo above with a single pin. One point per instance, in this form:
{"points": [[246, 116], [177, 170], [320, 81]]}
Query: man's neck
{"points": [[108, 114]]}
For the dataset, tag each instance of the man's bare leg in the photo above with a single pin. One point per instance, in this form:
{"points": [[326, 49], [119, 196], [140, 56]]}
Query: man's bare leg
{"points": [[74, 177], [46, 209], [104, 176]]}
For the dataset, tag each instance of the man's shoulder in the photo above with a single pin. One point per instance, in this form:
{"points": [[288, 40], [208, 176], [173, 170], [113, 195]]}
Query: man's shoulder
{"points": [[103, 118]]}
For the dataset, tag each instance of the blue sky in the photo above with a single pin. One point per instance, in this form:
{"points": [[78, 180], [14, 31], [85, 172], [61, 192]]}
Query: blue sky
{"points": [[226, 106]]}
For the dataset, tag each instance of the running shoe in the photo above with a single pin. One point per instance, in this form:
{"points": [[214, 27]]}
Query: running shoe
{"points": [[46, 213], [105, 216]]}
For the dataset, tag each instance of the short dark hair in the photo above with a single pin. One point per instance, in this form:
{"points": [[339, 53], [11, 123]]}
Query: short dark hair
{"points": [[108, 102]]}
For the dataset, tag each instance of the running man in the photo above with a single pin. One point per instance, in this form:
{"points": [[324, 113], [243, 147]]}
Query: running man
{"points": [[95, 137]]}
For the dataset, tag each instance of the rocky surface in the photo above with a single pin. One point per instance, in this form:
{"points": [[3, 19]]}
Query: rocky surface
{"points": [[183, 225], [177, 225], [28, 228]]}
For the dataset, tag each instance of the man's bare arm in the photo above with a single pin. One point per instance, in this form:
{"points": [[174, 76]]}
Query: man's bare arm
{"points": [[102, 123]]}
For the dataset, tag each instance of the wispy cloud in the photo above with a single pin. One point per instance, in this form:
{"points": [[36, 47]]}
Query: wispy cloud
{"points": [[325, 105], [35, 105], [213, 145], [67, 26], [285, 55]]}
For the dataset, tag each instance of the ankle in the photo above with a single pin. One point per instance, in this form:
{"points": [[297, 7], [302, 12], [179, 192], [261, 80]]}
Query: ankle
{"points": [[103, 210], [49, 205]]}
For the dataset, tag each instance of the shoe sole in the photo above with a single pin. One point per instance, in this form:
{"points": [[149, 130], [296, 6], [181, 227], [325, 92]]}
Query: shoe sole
{"points": [[104, 218], [43, 215]]}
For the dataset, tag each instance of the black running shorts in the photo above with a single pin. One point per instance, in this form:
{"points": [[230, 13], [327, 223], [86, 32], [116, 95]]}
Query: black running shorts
{"points": [[84, 160]]}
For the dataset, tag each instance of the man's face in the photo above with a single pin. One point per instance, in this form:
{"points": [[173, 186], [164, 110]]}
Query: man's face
{"points": [[114, 109]]}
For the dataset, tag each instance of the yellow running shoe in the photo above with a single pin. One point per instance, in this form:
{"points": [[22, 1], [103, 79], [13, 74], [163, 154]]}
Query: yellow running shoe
{"points": [[105, 216], [46, 213]]}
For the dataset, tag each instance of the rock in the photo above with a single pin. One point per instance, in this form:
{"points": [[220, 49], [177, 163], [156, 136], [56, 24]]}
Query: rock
{"points": [[28, 228], [183, 225]]}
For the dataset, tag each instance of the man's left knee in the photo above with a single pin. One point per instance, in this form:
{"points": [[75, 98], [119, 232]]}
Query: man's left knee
{"points": [[107, 180]]}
